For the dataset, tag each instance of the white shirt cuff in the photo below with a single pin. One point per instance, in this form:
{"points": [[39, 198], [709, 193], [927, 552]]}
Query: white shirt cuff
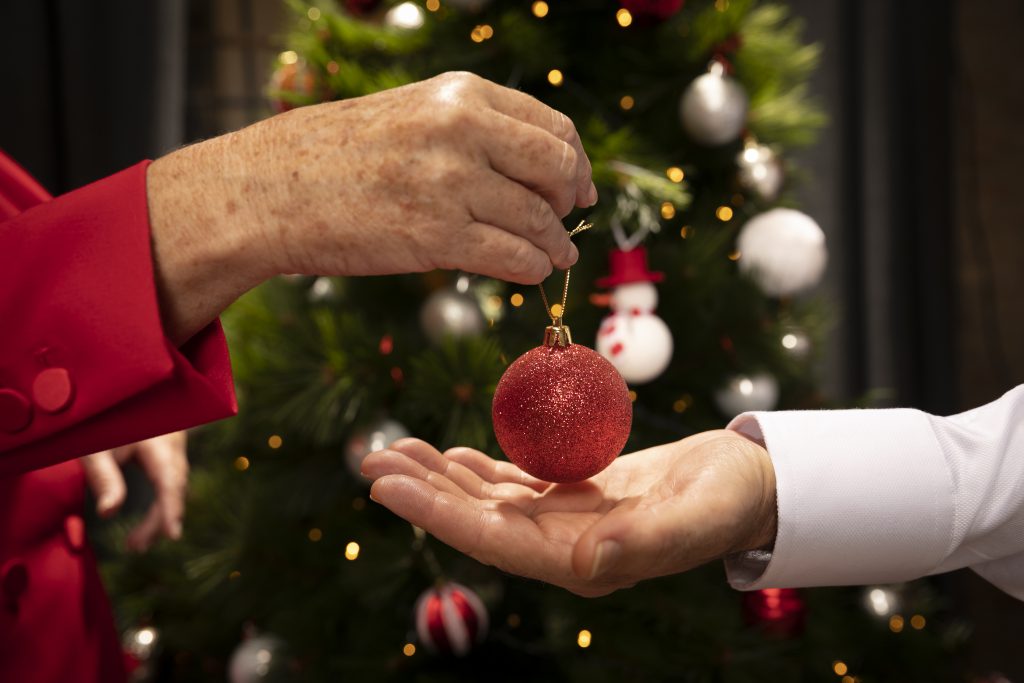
{"points": [[864, 496]]}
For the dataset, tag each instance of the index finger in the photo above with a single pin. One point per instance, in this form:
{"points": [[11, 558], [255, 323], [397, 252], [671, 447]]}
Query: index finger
{"points": [[530, 110]]}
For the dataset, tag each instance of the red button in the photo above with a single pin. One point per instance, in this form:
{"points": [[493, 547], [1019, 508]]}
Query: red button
{"points": [[52, 389], [15, 411], [14, 579], [74, 531]]}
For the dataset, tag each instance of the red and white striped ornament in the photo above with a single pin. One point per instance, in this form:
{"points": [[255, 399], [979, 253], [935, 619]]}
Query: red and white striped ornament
{"points": [[450, 619]]}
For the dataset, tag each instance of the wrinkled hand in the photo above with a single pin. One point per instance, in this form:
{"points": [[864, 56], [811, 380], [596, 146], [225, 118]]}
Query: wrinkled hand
{"points": [[453, 172], [165, 463], [655, 512]]}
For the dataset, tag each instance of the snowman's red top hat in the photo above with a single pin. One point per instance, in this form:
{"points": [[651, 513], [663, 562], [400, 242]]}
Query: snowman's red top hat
{"points": [[628, 266]]}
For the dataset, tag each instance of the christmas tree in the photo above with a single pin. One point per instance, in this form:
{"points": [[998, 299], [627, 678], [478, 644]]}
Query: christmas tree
{"points": [[688, 284]]}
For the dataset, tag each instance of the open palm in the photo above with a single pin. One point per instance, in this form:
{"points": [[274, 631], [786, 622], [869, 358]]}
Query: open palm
{"points": [[659, 511]]}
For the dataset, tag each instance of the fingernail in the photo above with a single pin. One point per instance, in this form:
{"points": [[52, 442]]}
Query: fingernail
{"points": [[375, 500], [606, 555], [592, 194]]}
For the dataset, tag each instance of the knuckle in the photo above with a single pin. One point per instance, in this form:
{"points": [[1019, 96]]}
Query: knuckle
{"points": [[562, 126], [568, 165], [523, 262], [539, 216]]}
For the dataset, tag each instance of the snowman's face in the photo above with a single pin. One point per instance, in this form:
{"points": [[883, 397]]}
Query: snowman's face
{"points": [[635, 295]]}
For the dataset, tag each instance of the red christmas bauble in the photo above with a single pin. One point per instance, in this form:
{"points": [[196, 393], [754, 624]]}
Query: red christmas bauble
{"points": [[778, 611], [450, 619], [562, 413], [656, 9], [291, 78], [360, 7]]}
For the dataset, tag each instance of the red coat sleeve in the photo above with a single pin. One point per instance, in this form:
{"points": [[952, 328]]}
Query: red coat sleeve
{"points": [[84, 362]]}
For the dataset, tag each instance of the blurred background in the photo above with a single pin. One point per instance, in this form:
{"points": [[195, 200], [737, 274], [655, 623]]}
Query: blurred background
{"points": [[915, 112]]}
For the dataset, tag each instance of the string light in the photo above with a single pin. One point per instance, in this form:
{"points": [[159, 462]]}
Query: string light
{"points": [[624, 17], [332, 67], [724, 213], [540, 9], [849, 679], [408, 649], [275, 441], [514, 620], [682, 403], [288, 57], [351, 550], [896, 623], [555, 77], [667, 210], [241, 463], [516, 299], [315, 534], [632, 396], [234, 575], [789, 341], [481, 33], [917, 622], [358, 504], [584, 638], [556, 310], [684, 231], [735, 256], [433, 5], [839, 667], [313, 13], [675, 174], [626, 102], [386, 345]]}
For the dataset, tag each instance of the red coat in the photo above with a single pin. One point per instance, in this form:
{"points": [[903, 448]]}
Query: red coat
{"points": [[84, 366]]}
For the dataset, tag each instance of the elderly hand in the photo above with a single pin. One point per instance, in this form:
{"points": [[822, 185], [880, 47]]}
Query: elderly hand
{"points": [[453, 172], [165, 463], [655, 512]]}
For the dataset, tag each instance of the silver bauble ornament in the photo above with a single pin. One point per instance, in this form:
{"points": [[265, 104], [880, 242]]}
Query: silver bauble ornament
{"points": [[713, 108], [259, 659], [452, 312], [369, 439], [783, 250], [759, 170], [744, 393]]}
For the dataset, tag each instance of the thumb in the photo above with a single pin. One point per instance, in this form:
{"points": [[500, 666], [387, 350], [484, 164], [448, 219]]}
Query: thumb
{"points": [[106, 482]]}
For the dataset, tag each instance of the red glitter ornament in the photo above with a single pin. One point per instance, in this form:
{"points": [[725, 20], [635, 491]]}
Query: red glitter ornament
{"points": [[561, 412]]}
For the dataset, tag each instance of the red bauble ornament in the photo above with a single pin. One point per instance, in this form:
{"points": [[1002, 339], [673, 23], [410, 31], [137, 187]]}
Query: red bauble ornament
{"points": [[360, 7], [561, 412], [450, 619], [655, 9], [778, 611], [294, 78]]}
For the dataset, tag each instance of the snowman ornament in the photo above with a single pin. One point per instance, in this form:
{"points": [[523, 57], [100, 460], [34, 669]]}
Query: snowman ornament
{"points": [[633, 338]]}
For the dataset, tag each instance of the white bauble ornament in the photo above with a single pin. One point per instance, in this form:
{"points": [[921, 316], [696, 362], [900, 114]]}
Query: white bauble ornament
{"points": [[406, 15], [453, 312], [744, 393], [450, 619], [713, 108], [783, 250], [373, 438], [759, 171], [638, 345], [259, 659]]}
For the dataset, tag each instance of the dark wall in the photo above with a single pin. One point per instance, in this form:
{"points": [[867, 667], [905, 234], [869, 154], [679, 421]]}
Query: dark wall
{"points": [[90, 86]]}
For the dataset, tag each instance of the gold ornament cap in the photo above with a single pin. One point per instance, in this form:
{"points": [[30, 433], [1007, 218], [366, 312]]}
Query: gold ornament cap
{"points": [[557, 335]]}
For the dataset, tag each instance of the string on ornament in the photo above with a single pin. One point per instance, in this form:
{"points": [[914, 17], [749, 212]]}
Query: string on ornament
{"points": [[556, 320]]}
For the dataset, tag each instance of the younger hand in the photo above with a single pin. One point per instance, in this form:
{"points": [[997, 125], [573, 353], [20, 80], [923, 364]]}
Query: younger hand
{"points": [[165, 463], [655, 512]]}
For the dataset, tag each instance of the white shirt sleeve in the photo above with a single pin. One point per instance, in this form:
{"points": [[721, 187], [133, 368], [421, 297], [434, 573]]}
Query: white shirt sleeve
{"points": [[882, 496]]}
